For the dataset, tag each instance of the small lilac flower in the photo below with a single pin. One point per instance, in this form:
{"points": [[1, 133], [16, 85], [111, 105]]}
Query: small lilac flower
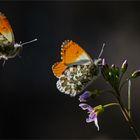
{"points": [[84, 96], [93, 112], [93, 117]]}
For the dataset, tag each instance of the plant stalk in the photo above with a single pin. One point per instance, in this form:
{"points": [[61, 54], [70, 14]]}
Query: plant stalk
{"points": [[129, 98], [128, 119], [110, 104]]}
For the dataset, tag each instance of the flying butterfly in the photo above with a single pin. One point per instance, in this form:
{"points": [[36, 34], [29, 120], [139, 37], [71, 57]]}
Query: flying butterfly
{"points": [[8, 47], [76, 70]]}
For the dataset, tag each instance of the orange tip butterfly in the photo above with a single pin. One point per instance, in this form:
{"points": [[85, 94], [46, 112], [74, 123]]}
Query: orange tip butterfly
{"points": [[76, 70], [8, 47]]}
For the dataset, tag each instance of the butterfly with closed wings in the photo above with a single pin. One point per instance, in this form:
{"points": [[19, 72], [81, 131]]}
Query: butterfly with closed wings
{"points": [[76, 70]]}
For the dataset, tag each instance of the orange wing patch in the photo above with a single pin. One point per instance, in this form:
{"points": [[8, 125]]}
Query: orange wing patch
{"points": [[58, 68], [5, 28], [70, 52]]}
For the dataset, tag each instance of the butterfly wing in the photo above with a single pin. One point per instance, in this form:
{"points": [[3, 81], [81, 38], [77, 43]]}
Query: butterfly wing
{"points": [[71, 54], [58, 68], [76, 78], [6, 32]]}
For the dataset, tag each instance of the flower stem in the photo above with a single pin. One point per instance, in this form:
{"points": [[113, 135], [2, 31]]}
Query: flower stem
{"points": [[128, 119], [129, 98], [110, 104], [124, 83]]}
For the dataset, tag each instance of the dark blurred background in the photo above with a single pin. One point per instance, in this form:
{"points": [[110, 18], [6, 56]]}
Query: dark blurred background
{"points": [[30, 104]]}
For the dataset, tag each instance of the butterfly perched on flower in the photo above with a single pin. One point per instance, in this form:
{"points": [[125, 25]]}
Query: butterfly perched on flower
{"points": [[75, 70], [8, 47]]}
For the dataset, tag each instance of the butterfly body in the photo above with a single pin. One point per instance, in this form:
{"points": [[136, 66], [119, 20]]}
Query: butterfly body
{"points": [[76, 70], [9, 51]]}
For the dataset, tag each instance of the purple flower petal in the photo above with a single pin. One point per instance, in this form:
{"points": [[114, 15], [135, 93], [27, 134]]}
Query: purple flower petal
{"points": [[93, 118], [96, 123], [93, 112], [86, 107], [84, 96], [88, 120], [93, 115]]}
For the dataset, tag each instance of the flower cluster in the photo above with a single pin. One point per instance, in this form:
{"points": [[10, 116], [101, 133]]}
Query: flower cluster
{"points": [[76, 78], [113, 75]]}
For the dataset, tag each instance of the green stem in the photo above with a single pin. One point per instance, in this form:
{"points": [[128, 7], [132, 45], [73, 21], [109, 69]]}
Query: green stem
{"points": [[121, 77], [110, 104], [128, 119], [129, 98], [124, 83]]}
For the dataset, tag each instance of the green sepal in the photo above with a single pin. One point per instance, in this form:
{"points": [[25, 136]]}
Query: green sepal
{"points": [[124, 66], [135, 74]]}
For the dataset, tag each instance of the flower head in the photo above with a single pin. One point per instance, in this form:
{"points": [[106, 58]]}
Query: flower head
{"points": [[93, 113], [84, 96]]}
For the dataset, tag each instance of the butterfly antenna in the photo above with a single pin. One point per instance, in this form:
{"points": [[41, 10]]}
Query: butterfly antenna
{"points": [[101, 50], [29, 42]]}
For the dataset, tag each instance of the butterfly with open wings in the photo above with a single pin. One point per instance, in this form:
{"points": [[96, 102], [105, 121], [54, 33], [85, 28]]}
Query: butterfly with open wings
{"points": [[76, 70], [8, 47]]}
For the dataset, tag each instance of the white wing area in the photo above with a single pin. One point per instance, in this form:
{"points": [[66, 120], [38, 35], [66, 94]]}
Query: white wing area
{"points": [[84, 59]]}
